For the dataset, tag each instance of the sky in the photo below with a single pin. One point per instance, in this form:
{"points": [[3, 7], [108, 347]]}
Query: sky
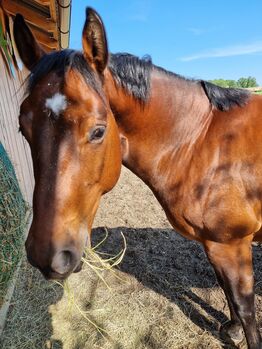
{"points": [[196, 38]]}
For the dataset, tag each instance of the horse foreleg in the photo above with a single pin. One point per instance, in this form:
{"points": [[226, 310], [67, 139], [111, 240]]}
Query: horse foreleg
{"points": [[233, 266], [233, 328]]}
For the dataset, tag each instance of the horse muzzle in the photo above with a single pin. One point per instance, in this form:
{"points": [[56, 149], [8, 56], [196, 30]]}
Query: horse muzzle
{"points": [[58, 265]]}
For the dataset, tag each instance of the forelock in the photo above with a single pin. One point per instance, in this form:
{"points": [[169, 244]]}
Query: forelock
{"points": [[60, 62]]}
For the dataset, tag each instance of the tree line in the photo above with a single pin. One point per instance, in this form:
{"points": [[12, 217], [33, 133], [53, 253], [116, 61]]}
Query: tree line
{"points": [[250, 81]]}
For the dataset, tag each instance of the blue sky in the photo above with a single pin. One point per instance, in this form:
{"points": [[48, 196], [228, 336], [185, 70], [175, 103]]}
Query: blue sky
{"points": [[196, 38]]}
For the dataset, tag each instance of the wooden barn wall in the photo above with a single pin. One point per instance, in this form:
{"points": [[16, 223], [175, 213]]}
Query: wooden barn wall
{"points": [[11, 93]]}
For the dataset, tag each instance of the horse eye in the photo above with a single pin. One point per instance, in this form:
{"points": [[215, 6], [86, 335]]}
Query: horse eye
{"points": [[97, 134]]}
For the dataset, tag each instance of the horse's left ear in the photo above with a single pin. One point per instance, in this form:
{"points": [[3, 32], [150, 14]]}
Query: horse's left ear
{"points": [[29, 50], [94, 41]]}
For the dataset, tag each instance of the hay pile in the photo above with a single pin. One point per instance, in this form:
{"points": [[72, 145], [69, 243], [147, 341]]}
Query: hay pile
{"points": [[13, 211]]}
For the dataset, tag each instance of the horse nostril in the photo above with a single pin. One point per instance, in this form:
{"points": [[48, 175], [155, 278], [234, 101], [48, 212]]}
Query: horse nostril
{"points": [[63, 262]]}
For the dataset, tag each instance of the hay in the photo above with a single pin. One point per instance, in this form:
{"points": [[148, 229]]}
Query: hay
{"points": [[28, 324], [131, 315], [13, 211], [98, 265], [92, 259]]}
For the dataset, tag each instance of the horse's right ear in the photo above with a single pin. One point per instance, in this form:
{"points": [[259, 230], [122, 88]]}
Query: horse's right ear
{"points": [[29, 50], [94, 41]]}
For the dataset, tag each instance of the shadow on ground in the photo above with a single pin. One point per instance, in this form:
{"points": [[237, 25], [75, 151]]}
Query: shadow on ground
{"points": [[173, 267], [171, 299]]}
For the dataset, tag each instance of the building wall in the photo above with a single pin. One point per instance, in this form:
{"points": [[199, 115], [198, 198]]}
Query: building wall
{"points": [[11, 94]]}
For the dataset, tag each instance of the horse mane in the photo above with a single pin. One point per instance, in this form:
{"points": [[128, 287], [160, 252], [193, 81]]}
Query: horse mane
{"points": [[60, 62], [225, 98], [130, 72], [133, 74]]}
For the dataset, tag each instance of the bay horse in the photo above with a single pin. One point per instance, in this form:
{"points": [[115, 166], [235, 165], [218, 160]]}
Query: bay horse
{"points": [[197, 146]]}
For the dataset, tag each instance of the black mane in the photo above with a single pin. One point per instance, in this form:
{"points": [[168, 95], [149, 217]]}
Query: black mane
{"points": [[133, 74], [225, 98], [130, 72]]}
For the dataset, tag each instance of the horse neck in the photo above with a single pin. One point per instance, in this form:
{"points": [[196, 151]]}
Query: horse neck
{"points": [[163, 130]]}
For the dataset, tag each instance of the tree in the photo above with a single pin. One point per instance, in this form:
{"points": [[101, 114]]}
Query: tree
{"points": [[242, 82], [219, 82], [225, 83], [247, 82], [232, 83]]}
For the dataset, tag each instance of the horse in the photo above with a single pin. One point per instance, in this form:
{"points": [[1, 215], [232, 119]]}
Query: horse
{"points": [[196, 145]]}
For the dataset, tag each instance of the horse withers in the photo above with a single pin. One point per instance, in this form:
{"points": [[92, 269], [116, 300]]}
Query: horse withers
{"points": [[197, 146]]}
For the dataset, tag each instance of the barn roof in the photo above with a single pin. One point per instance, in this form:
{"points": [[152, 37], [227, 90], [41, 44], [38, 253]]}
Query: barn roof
{"points": [[48, 19]]}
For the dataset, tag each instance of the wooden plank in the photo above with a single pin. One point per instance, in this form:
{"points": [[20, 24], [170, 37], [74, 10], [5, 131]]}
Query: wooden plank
{"points": [[43, 2], [44, 38], [11, 93], [47, 48], [13, 7], [14, 144], [53, 13]]}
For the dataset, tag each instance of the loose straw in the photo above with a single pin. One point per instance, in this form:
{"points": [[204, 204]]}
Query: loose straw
{"points": [[97, 264]]}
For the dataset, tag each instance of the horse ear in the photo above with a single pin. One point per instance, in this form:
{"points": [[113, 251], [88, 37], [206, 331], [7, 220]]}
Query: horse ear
{"points": [[94, 41], [29, 50]]}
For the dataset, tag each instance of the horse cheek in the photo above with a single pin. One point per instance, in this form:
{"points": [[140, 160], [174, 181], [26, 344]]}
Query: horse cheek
{"points": [[113, 159]]}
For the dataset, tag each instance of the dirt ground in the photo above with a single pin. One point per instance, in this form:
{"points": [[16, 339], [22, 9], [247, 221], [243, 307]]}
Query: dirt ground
{"points": [[162, 296]]}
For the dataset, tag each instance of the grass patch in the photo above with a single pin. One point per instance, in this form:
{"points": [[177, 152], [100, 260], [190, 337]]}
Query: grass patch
{"points": [[13, 213]]}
